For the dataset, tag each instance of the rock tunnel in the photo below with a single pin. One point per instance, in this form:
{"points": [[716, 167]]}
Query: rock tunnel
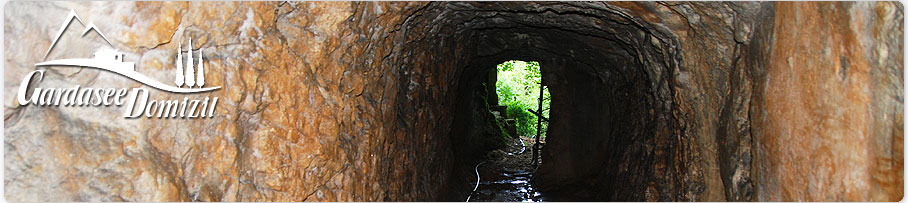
{"points": [[390, 101]]}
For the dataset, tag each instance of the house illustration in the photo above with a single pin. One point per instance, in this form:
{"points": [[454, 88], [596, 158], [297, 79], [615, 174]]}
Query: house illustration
{"points": [[112, 58], [108, 54]]}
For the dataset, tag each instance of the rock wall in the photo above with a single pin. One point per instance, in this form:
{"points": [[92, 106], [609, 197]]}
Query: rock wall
{"points": [[356, 101], [316, 104], [828, 104]]}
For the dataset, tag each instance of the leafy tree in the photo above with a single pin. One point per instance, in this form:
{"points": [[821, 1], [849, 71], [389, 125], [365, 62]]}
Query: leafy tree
{"points": [[518, 89]]}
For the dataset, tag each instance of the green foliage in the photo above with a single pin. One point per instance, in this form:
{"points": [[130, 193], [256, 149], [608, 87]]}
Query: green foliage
{"points": [[518, 88]]}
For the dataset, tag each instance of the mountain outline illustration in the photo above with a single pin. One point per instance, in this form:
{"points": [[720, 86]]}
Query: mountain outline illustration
{"points": [[69, 19], [111, 60]]}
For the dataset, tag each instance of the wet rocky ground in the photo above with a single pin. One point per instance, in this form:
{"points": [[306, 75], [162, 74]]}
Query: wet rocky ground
{"points": [[506, 175]]}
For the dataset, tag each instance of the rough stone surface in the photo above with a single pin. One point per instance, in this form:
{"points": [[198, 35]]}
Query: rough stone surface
{"points": [[363, 101], [309, 108], [829, 104]]}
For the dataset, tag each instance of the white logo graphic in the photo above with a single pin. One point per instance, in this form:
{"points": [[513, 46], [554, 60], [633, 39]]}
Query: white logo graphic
{"points": [[190, 78], [112, 60]]}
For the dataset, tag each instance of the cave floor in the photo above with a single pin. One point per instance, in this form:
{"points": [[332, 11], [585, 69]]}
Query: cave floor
{"points": [[506, 175]]}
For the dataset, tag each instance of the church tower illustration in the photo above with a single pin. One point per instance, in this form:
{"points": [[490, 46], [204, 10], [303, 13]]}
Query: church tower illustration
{"points": [[188, 75]]}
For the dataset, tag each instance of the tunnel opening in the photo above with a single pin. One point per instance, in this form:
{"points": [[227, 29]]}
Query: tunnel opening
{"points": [[610, 118], [613, 133], [604, 134], [515, 94], [522, 98], [634, 114]]}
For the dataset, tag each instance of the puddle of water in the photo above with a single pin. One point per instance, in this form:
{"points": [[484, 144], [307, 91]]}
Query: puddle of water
{"points": [[506, 177], [507, 187]]}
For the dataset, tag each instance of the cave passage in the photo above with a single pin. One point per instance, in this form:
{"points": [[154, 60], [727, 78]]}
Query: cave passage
{"points": [[518, 87], [504, 174], [609, 119], [656, 101]]}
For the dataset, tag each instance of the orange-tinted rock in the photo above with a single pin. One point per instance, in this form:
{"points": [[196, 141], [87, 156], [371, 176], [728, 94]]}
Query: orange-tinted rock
{"points": [[830, 96]]}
